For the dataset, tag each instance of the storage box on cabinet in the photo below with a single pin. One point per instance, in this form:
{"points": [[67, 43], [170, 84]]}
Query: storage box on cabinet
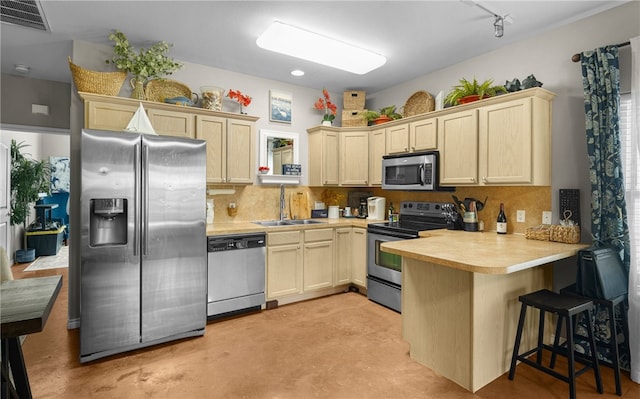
{"points": [[353, 118], [353, 99]]}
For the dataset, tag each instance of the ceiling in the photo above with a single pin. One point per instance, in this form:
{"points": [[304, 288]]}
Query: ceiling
{"points": [[417, 37]]}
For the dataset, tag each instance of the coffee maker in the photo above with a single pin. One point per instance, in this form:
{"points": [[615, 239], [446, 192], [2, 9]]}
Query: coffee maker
{"points": [[362, 208]]}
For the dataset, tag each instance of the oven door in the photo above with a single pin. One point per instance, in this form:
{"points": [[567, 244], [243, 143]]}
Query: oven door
{"points": [[383, 265]]}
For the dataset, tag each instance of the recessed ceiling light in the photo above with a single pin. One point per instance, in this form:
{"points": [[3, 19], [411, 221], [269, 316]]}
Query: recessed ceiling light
{"points": [[297, 72], [310, 46]]}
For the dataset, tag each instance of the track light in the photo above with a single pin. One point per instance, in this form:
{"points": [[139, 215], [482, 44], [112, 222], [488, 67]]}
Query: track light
{"points": [[498, 26]]}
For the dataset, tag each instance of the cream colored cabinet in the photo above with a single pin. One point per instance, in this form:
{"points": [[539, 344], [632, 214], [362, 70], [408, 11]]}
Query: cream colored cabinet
{"points": [[354, 158], [514, 143], [342, 270], [377, 149], [171, 123], [458, 138], [230, 149], [284, 264], [324, 146], [102, 115], [359, 256], [318, 259], [398, 139], [423, 135]]}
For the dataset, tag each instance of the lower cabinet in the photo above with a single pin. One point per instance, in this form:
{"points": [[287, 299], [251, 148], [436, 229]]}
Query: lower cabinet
{"points": [[301, 262]]}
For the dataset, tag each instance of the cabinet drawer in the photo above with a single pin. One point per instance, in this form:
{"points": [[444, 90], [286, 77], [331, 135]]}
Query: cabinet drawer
{"points": [[283, 238], [318, 235]]}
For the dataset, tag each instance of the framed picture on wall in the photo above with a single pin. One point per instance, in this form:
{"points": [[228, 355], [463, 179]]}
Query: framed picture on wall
{"points": [[280, 106]]}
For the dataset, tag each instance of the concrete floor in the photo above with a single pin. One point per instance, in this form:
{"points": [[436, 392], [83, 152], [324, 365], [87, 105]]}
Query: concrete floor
{"points": [[342, 346]]}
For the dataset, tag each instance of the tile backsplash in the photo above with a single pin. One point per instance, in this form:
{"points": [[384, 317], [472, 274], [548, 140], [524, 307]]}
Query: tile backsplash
{"points": [[261, 202]]}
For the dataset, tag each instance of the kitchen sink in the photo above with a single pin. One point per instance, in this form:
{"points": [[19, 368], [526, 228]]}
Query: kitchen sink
{"points": [[304, 221], [273, 223]]}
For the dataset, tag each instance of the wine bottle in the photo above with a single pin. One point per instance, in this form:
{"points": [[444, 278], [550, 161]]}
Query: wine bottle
{"points": [[501, 222]]}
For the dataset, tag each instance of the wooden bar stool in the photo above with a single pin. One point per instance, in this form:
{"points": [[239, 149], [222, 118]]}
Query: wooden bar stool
{"points": [[613, 345], [566, 307]]}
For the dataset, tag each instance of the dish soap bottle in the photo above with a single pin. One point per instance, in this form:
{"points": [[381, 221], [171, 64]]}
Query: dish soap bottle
{"points": [[501, 221]]}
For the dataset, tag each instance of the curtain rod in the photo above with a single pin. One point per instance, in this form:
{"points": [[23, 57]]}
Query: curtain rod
{"points": [[577, 57]]}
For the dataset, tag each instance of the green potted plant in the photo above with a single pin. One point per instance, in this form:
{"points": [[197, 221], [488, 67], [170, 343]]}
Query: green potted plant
{"points": [[468, 91], [145, 64], [385, 114], [28, 178]]}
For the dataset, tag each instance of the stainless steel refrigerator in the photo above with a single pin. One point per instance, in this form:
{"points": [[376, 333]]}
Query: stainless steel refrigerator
{"points": [[143, 237]]}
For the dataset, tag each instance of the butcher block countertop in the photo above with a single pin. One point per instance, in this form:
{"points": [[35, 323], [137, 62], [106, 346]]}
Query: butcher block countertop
{"points": [[481, 252], [241, 227]]}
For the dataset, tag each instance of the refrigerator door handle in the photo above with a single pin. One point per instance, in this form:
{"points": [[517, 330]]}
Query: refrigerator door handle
{"points": [[145, 200], [136, 201]]}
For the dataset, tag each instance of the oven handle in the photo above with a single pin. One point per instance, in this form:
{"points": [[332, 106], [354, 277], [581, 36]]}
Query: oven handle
{"points": [[393, 234]]}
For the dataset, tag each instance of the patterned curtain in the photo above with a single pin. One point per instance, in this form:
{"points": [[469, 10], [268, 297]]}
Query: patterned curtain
{"points": [[601, 81]]}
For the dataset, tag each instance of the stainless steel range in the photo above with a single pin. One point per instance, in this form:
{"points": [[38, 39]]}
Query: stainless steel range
{"points": [[384, 270]]}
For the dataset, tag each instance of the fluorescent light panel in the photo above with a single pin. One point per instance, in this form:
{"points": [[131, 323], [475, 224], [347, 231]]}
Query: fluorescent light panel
{"points": [[289, 40]]}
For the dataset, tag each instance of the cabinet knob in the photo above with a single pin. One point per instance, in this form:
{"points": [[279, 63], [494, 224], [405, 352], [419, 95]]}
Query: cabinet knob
{"points": [[484, 179]]}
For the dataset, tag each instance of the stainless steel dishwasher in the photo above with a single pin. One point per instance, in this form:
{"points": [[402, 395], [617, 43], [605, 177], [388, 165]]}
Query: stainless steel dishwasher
{"points": [[236, 278]]}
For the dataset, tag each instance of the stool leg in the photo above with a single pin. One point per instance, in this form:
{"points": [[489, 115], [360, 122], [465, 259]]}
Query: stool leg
{"points": [[516, 346], [556, 341], [613, 344], [571, 359], [594, 352], [540, 337]]}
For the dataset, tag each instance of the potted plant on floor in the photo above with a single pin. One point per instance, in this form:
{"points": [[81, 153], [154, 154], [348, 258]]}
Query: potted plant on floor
{"points": [[28, 178], [469, 91], [386, 114]]}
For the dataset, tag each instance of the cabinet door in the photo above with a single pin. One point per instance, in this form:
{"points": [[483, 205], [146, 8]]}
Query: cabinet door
{"points": [[377, 149], [423, 135], [359, 256], [398, 139], [240, 151], [318, 265], [213, 130], [170, 123], [506, 143], [106, 116], [342, 272], [354, 160], [330, 159], [458, 138], [284, 270]]}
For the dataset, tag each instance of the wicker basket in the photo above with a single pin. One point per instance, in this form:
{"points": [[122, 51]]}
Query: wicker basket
{"points": [[159, 89], [107, 83], [540, 233], [353, 99], [420, 102], [353, 118], [565, 234]]}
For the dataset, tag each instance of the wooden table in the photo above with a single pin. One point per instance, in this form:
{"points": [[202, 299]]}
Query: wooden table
{"points": [[460, 298], [25, 305]]}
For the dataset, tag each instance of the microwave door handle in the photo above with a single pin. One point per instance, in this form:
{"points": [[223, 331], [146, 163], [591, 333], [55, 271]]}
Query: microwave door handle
{"points": [[421, 171]]}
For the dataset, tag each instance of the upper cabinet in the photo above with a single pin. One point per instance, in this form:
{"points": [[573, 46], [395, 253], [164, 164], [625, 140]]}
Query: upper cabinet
{"points": [[231, 138], [323, 157], [458, 148]]}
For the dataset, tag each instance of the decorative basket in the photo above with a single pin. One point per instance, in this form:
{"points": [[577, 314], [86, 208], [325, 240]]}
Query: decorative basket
{"points": [[107, 83], [420, 102], [353, 99], [159, 89], [540, 233], [353, 118], [565, 234]]}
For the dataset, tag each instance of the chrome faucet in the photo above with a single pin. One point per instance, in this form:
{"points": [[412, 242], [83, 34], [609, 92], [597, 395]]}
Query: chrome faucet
{"points": [[282, 202]]}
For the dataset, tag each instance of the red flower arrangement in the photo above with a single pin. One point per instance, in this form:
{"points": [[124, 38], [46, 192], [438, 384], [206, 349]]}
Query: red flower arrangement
{"points": [[325, 104], [242, 99]]}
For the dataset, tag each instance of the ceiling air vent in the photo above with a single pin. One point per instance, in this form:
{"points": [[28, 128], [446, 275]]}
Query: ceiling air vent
{"points": [[24, 13]]}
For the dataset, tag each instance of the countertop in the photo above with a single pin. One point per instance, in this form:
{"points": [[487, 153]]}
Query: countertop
{"points": [[250, 227], [481, 252]]}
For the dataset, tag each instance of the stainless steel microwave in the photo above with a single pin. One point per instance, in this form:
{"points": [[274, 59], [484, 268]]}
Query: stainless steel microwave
{"points": [[414, 171]]}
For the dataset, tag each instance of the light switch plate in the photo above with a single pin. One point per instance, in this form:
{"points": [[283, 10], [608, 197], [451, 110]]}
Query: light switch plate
{"points": [[520, 216], [546, 217]]}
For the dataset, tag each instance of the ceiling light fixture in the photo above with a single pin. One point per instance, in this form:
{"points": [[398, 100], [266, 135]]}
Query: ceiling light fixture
{"points": [[297, 72], [499, 20], [300, 43]]}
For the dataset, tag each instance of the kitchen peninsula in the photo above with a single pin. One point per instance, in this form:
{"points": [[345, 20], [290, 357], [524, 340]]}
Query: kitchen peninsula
{"points": [[460, 298]]}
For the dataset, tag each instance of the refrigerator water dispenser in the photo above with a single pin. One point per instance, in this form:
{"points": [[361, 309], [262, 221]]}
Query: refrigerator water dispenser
{"points": [[108, 222]]}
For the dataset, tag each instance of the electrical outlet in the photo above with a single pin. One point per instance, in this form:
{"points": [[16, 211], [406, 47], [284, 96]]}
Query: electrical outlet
{"points": [[520, 216], [546, 217]]}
